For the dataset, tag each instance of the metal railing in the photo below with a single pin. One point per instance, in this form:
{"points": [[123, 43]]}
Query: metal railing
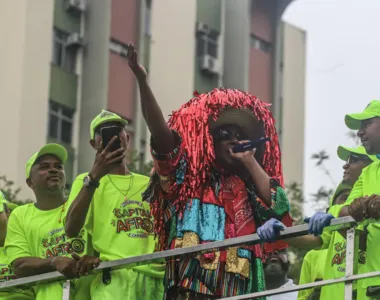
{"points": [[336, 224]]}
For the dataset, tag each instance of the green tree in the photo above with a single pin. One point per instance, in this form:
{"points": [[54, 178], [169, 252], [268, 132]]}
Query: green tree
{"points": [[319, 201], [352, 135], [11, 192], [137, 165], [295, 195]]}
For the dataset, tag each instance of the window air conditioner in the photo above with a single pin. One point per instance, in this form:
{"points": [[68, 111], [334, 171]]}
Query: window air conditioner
{"points": [[209, 64], [74, 40], [202, 28], [75, 6]]}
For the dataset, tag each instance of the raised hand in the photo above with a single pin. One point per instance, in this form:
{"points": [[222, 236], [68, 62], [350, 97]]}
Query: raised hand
{"points": [[136, 68]]}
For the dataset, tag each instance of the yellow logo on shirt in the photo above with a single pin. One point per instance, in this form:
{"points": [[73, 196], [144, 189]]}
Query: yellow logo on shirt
{"points": [[58, 244], [136, 221]]}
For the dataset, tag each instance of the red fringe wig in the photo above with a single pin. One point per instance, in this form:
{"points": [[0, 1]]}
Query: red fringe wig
{"points": [[191, 121]]}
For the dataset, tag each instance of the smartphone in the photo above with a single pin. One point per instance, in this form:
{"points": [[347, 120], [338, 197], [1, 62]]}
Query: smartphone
{"points": [[107, 134], [250, 145]]}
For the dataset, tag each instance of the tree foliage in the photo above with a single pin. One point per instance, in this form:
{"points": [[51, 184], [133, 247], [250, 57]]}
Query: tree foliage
{"points": [[11, 192], [319, 200], [137, 165], [295, 195]]}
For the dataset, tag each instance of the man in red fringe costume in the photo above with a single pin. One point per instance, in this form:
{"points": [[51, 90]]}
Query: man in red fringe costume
{"points": [[201, 191]]}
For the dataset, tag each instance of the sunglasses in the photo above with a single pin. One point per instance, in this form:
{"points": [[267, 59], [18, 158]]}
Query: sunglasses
{"points": [[227, 135], [354, 158]]}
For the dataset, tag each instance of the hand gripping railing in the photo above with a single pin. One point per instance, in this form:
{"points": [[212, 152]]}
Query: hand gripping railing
{"points": [[336, 224]]}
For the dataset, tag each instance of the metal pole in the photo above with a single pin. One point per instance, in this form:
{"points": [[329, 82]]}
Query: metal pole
{"points": [[350, 254], [304, 286], [336, 224], [66, 290]]}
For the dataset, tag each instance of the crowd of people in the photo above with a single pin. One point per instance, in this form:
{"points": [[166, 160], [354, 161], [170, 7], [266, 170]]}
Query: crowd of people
{"points": [[210, 182]]}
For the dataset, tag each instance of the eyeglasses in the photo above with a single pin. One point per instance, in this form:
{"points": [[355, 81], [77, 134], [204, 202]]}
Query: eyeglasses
{"points": [[354, 158], [226, 135]]}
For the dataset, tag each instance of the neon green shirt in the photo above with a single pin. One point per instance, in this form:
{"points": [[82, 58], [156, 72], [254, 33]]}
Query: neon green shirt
{"points": [[119, 221], [367, 185], [36, 233], [335, 266], [6, 274], [312, 269]]}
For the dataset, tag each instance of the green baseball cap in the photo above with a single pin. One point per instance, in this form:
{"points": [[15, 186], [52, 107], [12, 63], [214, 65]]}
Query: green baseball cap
{"points": [[341, 187], [104, 117], [53, 149], [353, 121], [345, 152]]}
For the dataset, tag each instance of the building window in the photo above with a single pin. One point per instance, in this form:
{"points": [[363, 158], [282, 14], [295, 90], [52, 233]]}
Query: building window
{"points": [[148, 18], [60, 122], [63, 56], [118, 48], [260, 44], [207, 43]]}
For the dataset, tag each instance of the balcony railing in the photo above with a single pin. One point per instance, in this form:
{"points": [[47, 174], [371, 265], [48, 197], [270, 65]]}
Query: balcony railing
{"points": [[336, 224]]}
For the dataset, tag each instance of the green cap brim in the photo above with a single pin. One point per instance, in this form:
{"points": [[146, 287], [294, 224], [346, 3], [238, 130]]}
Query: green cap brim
{"points": [[53, 149], [345, 152], [353, 121]]}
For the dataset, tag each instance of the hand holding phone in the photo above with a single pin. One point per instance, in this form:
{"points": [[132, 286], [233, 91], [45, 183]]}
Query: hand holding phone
{"points": [[107, 134]]}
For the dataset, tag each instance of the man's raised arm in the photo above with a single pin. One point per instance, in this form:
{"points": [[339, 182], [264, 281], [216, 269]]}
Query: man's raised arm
{"points": [[159, 129]]}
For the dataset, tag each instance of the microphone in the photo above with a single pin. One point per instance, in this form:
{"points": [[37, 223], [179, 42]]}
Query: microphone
{"points": [[250, 145]]}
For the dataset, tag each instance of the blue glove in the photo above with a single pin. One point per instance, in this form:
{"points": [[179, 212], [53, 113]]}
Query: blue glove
{"points": [[270, 230], [318, 222]]}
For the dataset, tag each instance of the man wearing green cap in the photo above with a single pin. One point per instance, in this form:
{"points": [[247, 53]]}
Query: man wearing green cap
{"points": [[316, 262], [356, 159], [6, 272], [329, 261], [363, 203], [36, 242], [107, 201]]}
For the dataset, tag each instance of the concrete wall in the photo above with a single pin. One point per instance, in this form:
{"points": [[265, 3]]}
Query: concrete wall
{"points": [[261, 70], [237, 31], [172, 67], [122, 84], [24, 76], [95, 75], [293, 106]]}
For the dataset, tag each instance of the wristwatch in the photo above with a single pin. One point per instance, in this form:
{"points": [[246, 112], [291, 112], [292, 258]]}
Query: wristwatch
{"points": [[89, 182]]}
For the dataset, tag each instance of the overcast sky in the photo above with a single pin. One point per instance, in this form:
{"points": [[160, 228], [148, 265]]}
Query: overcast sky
{"points": [[343, 63]]}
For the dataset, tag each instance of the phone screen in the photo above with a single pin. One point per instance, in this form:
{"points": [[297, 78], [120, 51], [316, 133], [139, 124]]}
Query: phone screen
{"points": [[107, 134]]}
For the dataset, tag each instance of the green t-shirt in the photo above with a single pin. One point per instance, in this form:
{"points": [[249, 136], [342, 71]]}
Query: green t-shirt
{"points": [[119, 221], [36, 233], [6, 274], [312, 269], [335, 266], [367, 185]]}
